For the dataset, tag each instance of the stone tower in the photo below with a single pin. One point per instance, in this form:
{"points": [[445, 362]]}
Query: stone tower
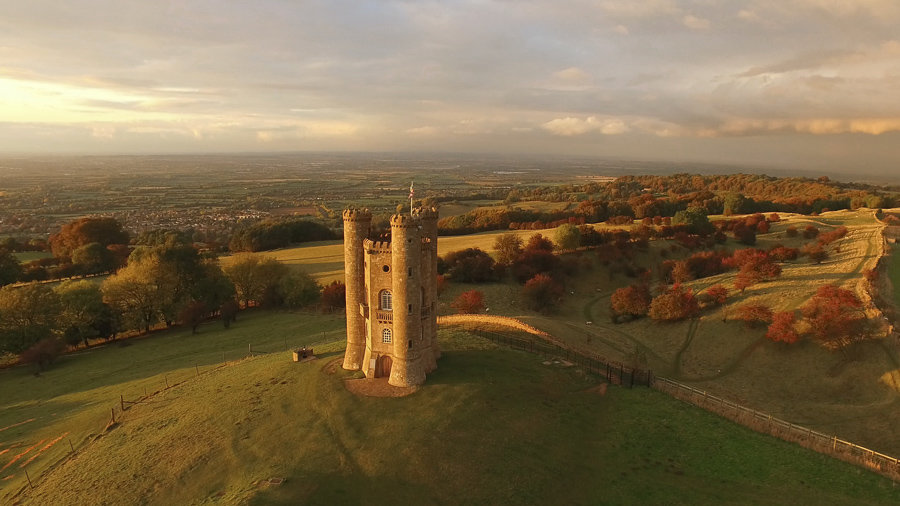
{"points": [[357, 224], [391, 318]]}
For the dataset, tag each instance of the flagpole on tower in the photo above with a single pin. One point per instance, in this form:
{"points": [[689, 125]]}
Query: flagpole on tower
{"points": [[411, 193]]}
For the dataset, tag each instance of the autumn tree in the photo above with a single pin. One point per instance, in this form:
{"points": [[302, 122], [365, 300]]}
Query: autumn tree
{"points": [[681, 272], [835, 316], [815, 252], [42, 353], [676, 303], [469, 302], [104, 231], [782, 328], [508, 247], [631, 301], [542, 293], [718, 295], [754, 315], [193, 314], [334, 296]]}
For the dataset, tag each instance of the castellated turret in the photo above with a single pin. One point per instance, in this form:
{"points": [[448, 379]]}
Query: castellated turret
{"points": [[391, 305]]}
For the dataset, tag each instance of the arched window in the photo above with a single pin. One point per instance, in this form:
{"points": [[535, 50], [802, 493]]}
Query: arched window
{"points": [[386, 336], [386, 300]]}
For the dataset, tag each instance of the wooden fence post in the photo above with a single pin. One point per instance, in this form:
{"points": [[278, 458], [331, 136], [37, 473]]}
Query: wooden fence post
{"points": [[29, 478], [122, 402]]}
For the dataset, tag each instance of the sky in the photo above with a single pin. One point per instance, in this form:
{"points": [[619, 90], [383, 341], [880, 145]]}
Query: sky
{"points": [[811, 84]]}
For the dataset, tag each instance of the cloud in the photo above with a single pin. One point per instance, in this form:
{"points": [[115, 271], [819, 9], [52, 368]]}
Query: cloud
{"points": [[570, 126], [695, 23], [572, 75]]}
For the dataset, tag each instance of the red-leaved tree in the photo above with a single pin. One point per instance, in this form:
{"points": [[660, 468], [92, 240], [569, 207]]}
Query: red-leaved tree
{"points": [[677, 303], [718, 295], [542, 293], [631, 301], [754, 315], [334, 296], [469, 302], [782, 330], [835, 316]]}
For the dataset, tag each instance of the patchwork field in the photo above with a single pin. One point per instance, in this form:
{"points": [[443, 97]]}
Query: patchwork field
{"points": [[492, 425]]}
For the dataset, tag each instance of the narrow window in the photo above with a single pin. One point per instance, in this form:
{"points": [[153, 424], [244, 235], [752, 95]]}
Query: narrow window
{"points": [[410, 344], [410, 309], [386, 336], [386, 300], [409, 270]]}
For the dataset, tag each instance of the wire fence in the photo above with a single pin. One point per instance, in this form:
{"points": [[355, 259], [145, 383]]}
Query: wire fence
{"points": [[767, 424], [614, 372], [619, 374]]}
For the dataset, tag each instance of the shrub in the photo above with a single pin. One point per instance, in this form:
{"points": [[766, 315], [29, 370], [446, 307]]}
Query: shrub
{"points": [[674, 305], [470, 265], [334, 296], [754, 315], [782, 328], [469, 302], [542, 293], [42, 353], [632, 301]]}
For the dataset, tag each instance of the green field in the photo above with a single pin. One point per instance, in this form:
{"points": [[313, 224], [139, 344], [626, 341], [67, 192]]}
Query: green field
{"points": [[28, 256], [491, 426]]}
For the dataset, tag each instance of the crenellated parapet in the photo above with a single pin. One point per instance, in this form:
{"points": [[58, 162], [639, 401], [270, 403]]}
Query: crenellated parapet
{"points": [[374, 247], [404, 221], [425, 213], [357, 215]]}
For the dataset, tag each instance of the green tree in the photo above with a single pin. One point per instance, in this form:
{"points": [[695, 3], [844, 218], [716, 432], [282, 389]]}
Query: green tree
{"points": [[138, 292], [93, 258], [734, 203], [82, 306], [10, 269], [695, 219], [508, 247], [27, 314], [299, 289], [567, 237], [254, 276]]}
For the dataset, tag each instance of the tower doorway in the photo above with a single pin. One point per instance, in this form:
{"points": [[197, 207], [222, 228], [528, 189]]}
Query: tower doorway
{"points": [[383, 366]]}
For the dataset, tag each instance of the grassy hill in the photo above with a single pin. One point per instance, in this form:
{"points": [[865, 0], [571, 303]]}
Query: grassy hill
{"points": [[491, 425], [854, 395]]}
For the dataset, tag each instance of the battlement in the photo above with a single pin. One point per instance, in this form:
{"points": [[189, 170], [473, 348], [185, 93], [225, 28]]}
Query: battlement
{"points": [[371, 246], [357, 215], [404, 221], [425, 213]]}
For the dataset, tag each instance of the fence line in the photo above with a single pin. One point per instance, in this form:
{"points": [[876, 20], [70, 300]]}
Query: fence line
{"points": [[618, 374], [767, 424], [544, 344]]}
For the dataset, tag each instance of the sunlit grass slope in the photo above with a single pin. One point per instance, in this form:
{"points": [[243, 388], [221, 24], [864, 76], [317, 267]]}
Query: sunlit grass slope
{"points": [[491, 426]]}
